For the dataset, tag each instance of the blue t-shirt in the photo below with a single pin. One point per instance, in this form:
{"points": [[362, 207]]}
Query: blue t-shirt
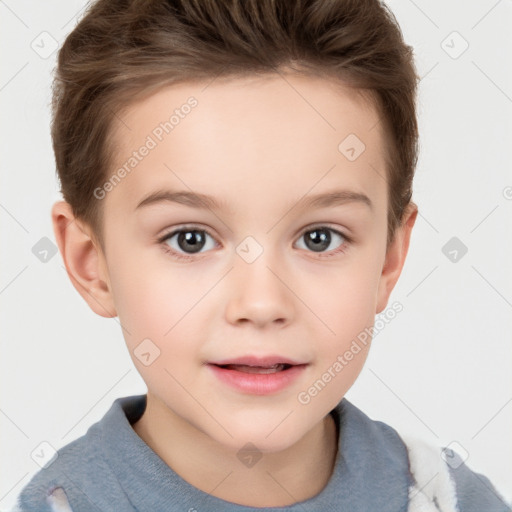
{"points": [[111, 468]]}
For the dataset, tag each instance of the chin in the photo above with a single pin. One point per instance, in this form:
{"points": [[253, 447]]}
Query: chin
{"points": [[242, 443], [267, 440]]}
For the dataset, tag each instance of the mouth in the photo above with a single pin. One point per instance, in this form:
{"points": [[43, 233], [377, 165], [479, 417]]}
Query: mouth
{"points": [[258, 376], [275, 368]]}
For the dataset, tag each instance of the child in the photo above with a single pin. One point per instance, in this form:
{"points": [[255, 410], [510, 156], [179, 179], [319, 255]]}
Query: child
{"points": [[279, 140]]}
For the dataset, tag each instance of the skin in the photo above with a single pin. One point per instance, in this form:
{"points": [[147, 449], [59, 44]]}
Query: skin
{"points": [[261, 147]]}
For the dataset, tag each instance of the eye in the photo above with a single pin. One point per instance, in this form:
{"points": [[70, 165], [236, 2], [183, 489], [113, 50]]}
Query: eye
{"points": [[320, 238], [186, 241]]}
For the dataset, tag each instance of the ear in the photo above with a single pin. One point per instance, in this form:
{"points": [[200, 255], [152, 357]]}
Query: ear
{"points": [[395, 257], [84, 260]]}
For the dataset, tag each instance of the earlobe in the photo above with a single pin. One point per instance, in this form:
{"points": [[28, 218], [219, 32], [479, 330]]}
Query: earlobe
{"points": [[83, 260], [395, 257]]}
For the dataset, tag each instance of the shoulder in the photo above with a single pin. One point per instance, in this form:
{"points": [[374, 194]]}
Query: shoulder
{"points": [[443, 481], [55, 501], [81, 476], [377, 435], [74, 466], [436, 477]]}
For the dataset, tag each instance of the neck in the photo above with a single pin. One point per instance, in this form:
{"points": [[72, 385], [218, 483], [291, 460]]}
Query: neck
{"points": [[278, 479]]}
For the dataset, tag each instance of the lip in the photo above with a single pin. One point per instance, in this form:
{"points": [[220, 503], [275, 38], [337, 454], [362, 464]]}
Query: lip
{"points": [[269, 360], [258, 383]]}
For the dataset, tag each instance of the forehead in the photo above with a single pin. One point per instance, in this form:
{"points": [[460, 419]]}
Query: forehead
{"points": [[270, 135]]}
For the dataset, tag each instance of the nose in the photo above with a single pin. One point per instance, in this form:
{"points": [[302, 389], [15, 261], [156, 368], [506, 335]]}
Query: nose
{"points": [[259, 293]]}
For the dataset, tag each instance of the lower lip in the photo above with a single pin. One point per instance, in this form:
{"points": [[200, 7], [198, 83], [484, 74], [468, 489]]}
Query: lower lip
{"points": [[258, 383]]}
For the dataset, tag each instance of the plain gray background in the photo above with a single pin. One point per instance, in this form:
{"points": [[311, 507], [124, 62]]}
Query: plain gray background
{"points": [[439, 371]]}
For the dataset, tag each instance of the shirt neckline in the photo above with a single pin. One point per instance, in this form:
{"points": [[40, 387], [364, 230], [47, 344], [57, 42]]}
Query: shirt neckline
{"points": [[371, 470]]}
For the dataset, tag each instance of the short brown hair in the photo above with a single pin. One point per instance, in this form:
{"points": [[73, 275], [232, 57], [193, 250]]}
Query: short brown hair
{"points": [[122, 50]]}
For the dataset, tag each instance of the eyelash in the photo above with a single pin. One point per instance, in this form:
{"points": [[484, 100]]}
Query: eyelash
{"points": [[180, 256]]}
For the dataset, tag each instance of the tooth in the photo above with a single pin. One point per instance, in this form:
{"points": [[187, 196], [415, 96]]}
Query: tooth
{"points": [[256, 369]]}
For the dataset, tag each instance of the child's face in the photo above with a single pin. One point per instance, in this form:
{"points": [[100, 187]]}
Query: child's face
{"points": [[259, 284]]}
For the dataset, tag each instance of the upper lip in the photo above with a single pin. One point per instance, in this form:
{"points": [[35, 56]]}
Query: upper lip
{"points": [[265, 361]]}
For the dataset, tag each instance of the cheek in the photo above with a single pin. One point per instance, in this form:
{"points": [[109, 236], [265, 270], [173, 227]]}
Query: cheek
{"points": [[159, 313], [157, 304], [346, 304], [148, 294], [346, 301]]}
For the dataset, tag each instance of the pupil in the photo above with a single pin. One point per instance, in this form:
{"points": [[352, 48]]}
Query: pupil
{"points": [[192, 240], [320, 238]]}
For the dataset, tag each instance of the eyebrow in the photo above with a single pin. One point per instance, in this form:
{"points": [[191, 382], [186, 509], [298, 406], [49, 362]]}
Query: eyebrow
{"points": [[203, 201]]}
